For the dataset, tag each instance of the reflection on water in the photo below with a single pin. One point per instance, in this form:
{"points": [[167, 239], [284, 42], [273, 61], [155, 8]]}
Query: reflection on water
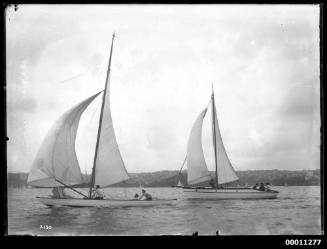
{"points": [[295, 211]]}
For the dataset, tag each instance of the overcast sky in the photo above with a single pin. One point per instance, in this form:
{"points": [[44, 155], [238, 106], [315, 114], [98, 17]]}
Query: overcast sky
{"points": [[263, 62]]}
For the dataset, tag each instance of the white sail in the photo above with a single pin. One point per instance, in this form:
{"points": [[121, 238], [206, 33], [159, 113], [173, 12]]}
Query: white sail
{"points": [[225, 169], [109, 165], [56, 158], [197, 170]]}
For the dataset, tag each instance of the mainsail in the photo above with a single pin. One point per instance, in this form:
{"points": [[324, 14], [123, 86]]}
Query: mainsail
{"points": [[225, 169], [56, 158], [56, 163], [108, 165], [197, 170]]}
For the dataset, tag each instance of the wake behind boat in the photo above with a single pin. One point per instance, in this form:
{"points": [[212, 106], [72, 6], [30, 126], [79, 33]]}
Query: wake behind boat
{"points": [[197, 170], [56, 162]]}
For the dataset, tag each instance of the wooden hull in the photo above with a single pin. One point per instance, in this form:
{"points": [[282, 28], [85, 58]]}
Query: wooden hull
{"points": [[103, 203], [227, 194]]}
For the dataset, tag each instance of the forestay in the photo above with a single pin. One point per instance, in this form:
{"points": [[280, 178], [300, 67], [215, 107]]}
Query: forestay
{"points": [[197, 170], [56, 158]]}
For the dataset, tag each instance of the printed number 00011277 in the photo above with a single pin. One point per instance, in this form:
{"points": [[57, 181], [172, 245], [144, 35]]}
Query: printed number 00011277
{"points": [[303, 242]]}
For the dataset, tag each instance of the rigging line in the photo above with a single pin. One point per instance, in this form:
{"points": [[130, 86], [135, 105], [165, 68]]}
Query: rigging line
{"points": [[179, 173], [208, 104], [84, 74], [52, 175], [72, 78], [71, 188]]}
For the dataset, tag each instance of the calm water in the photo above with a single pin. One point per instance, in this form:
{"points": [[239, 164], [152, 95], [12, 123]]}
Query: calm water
{"points": [[295, 211]]}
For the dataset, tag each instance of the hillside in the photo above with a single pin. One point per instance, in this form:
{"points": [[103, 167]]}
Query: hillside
{"points": [[169, 178]]}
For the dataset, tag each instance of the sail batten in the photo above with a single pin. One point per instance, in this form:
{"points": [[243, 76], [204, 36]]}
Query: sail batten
{"points": [[197, 170], [56, 158]]}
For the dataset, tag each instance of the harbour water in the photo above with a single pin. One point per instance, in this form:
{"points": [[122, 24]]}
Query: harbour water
{"points": [[295, 211]]}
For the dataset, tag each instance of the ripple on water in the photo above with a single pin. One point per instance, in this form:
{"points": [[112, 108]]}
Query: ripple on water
{"points": [[296, 211]]}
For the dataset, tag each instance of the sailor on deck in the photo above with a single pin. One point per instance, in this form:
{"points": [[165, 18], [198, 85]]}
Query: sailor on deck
{"points": [[212, 182], [97, 193], [146, 196], [262, 187], [256, 186], [56, 193]]}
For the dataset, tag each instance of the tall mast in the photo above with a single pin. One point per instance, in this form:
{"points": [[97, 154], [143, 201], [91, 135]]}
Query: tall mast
{"points": [[214, 131], [100, 120]]}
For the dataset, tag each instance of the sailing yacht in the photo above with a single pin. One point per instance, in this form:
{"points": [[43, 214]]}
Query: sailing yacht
{"points": [[56, 162], [197, 170]]}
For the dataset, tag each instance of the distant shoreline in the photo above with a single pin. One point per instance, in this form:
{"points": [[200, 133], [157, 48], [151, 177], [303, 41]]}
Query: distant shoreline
{"points": [[151, 187], [237, 171], [169, 178]]}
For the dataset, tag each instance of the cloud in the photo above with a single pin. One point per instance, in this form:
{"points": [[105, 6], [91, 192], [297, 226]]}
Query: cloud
{"points": [[263, 61], [301, 102]]}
